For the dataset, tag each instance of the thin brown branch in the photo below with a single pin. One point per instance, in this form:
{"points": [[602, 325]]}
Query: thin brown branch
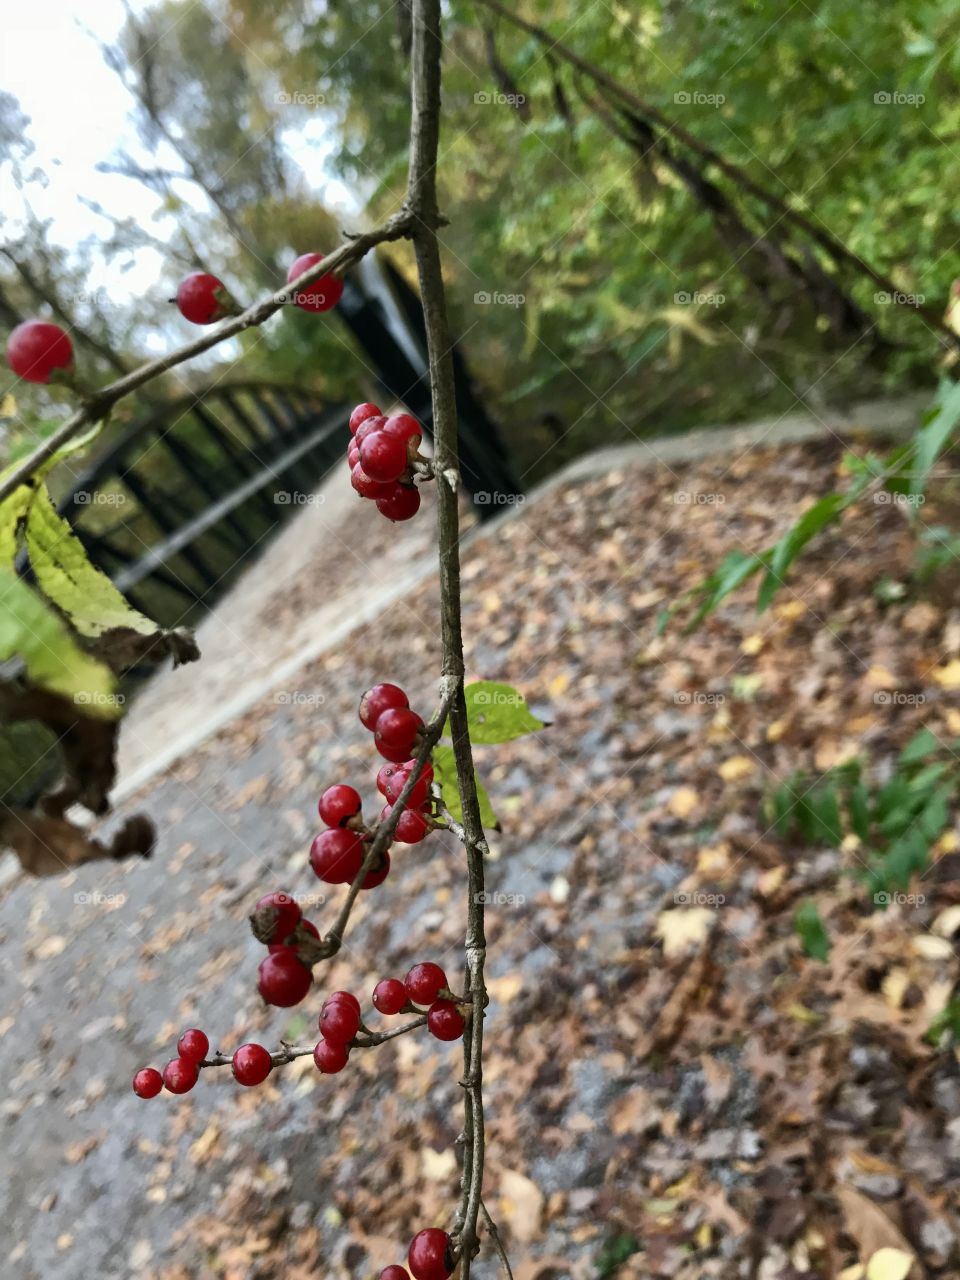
{"points": [[497, 1242], [101, 402], [422, 203], [290, 1052]]}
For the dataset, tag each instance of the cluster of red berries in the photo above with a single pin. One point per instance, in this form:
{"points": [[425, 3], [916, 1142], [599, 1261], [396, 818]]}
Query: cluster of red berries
{"points": [[380, 454], [283, 979], [181, 1073], [339, 1023], [203, 299], [424, 986], [430, 1257]]}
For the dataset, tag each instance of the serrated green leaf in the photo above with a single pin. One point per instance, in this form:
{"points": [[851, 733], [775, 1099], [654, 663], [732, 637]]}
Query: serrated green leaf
{"points": [[67, 577], [498, 713], [809, 926], [445, 775], [33, 632]]}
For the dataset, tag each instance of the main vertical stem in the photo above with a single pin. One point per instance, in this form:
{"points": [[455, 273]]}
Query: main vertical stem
{"points": [[422, 203]]}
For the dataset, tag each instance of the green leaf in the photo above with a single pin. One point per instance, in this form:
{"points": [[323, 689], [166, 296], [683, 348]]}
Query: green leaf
{"points": [[823, 805], [809, 926], [816, 518], [445, 775], [33, 632], [13, 510], [498, 713], [920, 746], [934, 436], [859, 810], [733, 571], [948, 1019]]}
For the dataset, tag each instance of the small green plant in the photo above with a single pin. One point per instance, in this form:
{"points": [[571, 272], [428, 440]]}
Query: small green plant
{"points": [[897, 822], [615, 1252]]}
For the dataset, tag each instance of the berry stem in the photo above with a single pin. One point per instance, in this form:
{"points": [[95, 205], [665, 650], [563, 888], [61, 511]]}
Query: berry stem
{"points": [[289, 1052]]}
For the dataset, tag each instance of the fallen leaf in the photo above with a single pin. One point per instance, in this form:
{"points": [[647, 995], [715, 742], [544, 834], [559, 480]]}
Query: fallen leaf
{"points": [[682, 928], [889, 1264]]}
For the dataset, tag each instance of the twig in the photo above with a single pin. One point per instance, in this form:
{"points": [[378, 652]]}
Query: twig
{"points": [[422, 203], [495, 1237], [101, 402], [289, 1052]]}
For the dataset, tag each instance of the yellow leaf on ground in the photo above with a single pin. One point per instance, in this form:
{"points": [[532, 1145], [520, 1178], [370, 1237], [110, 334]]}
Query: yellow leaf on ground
{"points": [[683, 928], [737, 767], [438, 1166], [521, 1204], [504, 989], [880, 678], [889, 1264], [752, 645], [683, 802], [948, 677]]}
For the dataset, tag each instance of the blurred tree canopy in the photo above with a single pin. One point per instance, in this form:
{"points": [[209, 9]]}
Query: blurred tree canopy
{"points": [[607, 280]]}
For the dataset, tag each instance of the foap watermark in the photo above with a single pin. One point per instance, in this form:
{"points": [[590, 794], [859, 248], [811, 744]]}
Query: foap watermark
{"points": [[96, 698], [895, 899], [895, 98], [484, 299], [694, 898], [496, 498], [493, 98], [299, 99], [293, 498], [298, 698], [898, 299], [94, 498], [684, 498], [884, 498], [698, 698], [695, 98], [496, 898], [498, 698], [898, 698], [307, 901], [94, 898], [697, 299], [95, 297]]}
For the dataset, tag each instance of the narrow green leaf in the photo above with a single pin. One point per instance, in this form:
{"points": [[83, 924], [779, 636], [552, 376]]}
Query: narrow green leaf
{"points": [[934, 436], [809, 926], [732, 572], [813, 521]]}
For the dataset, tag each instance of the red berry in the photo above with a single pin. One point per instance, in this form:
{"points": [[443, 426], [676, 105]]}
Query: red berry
{"points": [[365, 485], [347, 997], [430, 1256], [421, 788], [398, 727], [323, 293], [394, 1273], [339, 1022], [37, 348], [385, 778], [193, 1045], [336, 855], [147, 1083], [411, 828], [339, 804], [180, 1076], [353, 455], [283, 980], [424, 982], [251, 1064], [383, 457], [361, 413], [402, 504], [390, 996], [379, 699], [399, 755], [402, 427], [289, 941], [445, 1020], [202, 299], [330, 1058], [274, 917], [367, 428], [373, 878]]}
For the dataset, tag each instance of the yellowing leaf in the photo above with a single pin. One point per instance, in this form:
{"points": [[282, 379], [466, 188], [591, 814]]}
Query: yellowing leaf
{"points": [[889, 1264], [683, 927], [752, 645], [521, 1203], [438, 1166], [683, 802], [948, 677], [737, 767]]}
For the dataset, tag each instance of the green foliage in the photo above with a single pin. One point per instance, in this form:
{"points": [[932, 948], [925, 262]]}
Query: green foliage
{"points": [[808, 925], [897, 822], [615, 1252], [445, 775], [946, 1022]]}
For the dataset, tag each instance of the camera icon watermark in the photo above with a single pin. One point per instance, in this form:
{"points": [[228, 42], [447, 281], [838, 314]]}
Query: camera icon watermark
{"points": [[884, 498], [898, 698], [496, 498], [899, 899], [493, 98], [96, 698], [95, 498], [684, 498], [495, 898], [293, 498], [299, 99], [298, 698], [108, 901], [698, 698], [694, 98], [697, 299], [482, 298], [899, 299], [894, 98], [694, 898]]}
